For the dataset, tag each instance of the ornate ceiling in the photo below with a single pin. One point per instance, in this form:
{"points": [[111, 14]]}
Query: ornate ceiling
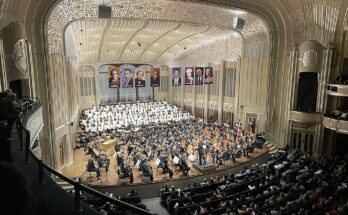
{"points": [[163, 28], [137, 40]]}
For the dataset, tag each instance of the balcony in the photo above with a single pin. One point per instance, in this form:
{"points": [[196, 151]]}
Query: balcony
{"points": [[337, 90], [340, 126], [305, 117]]}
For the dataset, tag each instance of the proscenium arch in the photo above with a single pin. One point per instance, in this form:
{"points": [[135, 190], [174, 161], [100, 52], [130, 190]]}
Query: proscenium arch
{"points": [[274, 15]]}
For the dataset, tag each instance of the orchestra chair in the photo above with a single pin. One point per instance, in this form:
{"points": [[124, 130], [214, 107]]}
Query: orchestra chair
{"points": [[159, 166], [122, 179], [145, 178], [89, 178], [251, 150]]}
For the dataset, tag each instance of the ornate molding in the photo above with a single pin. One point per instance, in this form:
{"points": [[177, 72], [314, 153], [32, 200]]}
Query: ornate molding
{"points": [[20, 59]]}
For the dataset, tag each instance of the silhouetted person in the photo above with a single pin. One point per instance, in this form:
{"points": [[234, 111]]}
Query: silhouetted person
{"points": [[16, 195]]}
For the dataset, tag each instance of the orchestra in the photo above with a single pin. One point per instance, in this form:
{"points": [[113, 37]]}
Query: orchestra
{"points": [[167, 142]]}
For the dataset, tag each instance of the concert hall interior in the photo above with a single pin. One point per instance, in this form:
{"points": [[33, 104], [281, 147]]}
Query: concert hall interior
{"points": [[174, 106]]}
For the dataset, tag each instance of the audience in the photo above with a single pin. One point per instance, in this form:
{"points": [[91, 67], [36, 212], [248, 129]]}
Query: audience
{"points": [[314, 185]]}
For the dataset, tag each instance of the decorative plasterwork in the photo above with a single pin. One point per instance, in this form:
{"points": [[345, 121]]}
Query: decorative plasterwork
{"points": [[20, 58], [65, 11], [256, 27], [99, 41], [226, 47]]}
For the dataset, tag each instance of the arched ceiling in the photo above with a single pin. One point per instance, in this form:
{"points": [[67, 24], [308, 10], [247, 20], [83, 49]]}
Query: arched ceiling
{"points": [[138, 40], [210, 16], [296, 20]]}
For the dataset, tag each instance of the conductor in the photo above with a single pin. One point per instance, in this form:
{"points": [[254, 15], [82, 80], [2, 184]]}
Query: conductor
{"points": [[201, 152]]}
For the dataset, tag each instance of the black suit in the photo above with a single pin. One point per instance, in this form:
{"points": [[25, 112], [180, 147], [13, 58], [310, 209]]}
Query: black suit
{"points": [[147, 170], [199, 81], [184, 167], [179, 82], [129, 83], [139, 83], [127, 170], [91, 167], [155, 82]]}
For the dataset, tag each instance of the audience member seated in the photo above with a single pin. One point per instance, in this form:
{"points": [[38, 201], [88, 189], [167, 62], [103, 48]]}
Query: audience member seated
{"points": [[290, 183]]}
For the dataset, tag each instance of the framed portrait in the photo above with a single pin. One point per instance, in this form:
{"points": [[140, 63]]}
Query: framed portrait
{"points": [[114, 77], [127, 76], [208, 75], [140, 77], [199, 75], [189, 75], [155, 76], [176, 76]]}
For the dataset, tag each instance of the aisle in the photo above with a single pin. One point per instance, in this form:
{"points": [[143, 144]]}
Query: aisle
{"points": [[154, 206]]}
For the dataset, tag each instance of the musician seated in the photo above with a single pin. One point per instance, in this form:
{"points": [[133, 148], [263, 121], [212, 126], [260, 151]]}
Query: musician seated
{"points": [[117, 147], [120, 159], [166, 168], [103, 162], [183, 166], [126, 171], [146, 169], [91, 167]]}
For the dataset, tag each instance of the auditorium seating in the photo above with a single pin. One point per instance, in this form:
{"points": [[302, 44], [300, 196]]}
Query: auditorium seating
{"points": [[107, 208], [290, 183]]}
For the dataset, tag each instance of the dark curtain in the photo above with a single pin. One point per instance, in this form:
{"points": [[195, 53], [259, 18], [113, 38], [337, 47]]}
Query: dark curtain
{"points": [[307, 92], [16, 87]]}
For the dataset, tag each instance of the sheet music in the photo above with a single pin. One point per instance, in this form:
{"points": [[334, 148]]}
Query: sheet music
{"points": [[138, 163], [176, 160], [157, 162]]}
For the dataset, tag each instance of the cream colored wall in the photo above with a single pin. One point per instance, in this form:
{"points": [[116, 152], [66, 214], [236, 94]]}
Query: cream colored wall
{"points": [[253, 87], [87, 101], [3, 78], [63, 80]]}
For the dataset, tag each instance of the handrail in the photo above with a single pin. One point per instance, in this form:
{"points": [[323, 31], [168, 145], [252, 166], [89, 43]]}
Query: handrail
{"points": [[78, 187]]}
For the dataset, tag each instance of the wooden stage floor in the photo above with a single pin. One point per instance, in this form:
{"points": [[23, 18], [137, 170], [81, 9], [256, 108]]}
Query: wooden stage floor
{"points": [[78, 169]]}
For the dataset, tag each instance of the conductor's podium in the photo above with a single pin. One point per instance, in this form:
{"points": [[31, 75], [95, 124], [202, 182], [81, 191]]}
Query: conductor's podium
{"points": [[108, 145]]}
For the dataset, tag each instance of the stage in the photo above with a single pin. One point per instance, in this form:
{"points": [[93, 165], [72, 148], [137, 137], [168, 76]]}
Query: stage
{"points": [[205, 168], [110, 183]]}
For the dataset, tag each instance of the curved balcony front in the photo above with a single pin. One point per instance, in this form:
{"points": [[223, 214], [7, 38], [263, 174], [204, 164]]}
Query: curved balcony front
{"points": [[340, 126], [337, 90], [305, 117]]}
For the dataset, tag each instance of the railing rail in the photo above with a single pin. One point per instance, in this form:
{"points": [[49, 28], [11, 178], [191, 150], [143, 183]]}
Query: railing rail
{"points": [[78, 187]]}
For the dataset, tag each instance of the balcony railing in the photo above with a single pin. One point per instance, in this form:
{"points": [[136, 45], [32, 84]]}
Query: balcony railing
{"points": [[29, 107]]}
